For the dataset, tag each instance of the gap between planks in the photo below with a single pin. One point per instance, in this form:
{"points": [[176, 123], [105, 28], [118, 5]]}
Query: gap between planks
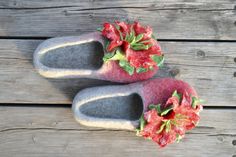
{"points": [[69, 106], [170, 20], [159, 39]]}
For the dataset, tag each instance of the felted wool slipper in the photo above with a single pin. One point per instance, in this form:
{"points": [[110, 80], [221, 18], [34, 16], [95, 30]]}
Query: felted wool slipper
{"points": [[129, 53], [159, 109]]}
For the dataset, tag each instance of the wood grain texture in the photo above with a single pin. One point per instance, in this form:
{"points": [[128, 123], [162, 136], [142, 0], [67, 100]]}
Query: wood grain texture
{"points": [[209, 67], [39, 131], [170, 19], [45, 131]]}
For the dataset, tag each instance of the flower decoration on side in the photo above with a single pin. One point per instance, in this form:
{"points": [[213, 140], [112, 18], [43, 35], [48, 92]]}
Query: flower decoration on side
{"points": [[133, 47], [167, 123]]}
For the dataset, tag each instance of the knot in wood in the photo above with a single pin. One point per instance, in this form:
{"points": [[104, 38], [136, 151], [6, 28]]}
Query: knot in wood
{"points": [[174, 72], [234, 142], [201, 54]]}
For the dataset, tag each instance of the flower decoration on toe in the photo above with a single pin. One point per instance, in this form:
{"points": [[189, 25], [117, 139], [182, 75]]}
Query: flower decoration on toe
{"points": [[167, 123], [132, 46]]}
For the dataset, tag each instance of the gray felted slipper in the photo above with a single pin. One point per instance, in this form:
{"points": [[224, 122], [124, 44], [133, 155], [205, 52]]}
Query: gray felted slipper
{"points": [[81, 57], [121, 106]]}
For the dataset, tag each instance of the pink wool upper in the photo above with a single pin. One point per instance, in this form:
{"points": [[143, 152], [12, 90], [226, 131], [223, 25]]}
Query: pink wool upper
{"points": [[113, 72], [157, 91]]}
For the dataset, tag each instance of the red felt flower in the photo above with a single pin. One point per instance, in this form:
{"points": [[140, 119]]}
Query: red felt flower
{"points": [[166, 123], [124, 28], [142, 58], [147, 31], [133, 44], [111, 33]]}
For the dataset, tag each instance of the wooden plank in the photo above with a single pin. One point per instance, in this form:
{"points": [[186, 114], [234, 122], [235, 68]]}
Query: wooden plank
{"points": [[169, 19], [44, 131], [208, 66], [160, 4]]}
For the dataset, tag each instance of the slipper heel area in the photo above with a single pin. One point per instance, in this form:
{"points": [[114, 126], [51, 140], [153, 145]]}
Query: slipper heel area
{"points": [[51, 46], [111, 107]]}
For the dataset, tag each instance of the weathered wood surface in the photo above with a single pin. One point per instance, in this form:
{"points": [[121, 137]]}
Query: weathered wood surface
{"points": [[38, 131], [46, 131], [212, 19], [208, 66]]}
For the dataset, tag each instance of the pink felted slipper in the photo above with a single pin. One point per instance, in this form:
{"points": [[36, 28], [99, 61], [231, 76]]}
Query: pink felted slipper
{"points": [[130, 53], [159, 109]]}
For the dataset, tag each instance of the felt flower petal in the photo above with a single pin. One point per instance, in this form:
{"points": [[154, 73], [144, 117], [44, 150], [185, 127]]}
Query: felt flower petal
{"points": [[147, 31], [112, 34]]}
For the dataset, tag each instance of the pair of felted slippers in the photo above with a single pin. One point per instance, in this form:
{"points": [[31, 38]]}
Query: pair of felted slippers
{"points": [[160, 109]]}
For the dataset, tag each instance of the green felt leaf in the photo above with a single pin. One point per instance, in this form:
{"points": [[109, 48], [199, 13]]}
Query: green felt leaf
{"points": [[138, 132], [122, 63], [158, 59], [99, 29], [161, 128], [137, 47], [175, 94], [138, 44], [132, 41], [108, 56], [127, 37], [121, 36], [118, 29], [129, 69], [142, 122], [166, 110], [141, 70], [168, 126], [156, 107], [115, 55], [118, 55], [151, 106], [126, 66], [138, 38], [154, 37], [159, 108], [131, 38], [134, 47], [107, 43], [178, 138], [196, 101], [132, 35]]}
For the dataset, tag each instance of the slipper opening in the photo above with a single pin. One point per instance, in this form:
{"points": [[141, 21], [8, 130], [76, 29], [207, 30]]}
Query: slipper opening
{"points": [[122, 107], [83, 56]]}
